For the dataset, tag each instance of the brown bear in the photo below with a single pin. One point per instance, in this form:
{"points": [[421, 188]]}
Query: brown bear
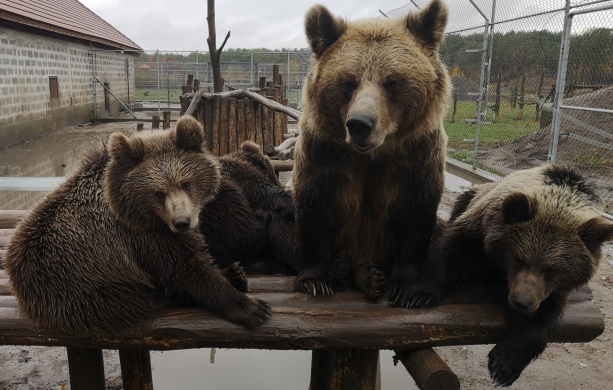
{"points": [[539, 233], [118, 240], [369, 169], [251, 220]]}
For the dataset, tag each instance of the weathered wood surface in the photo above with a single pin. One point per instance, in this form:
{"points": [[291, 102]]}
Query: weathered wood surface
{"points": [[468, 315], [428, 370]]}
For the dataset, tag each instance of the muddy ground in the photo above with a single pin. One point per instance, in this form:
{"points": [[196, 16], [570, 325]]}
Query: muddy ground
{"points": [[561, 367]]}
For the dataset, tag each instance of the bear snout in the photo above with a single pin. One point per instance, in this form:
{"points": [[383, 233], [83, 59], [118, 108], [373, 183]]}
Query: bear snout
{"points": [[523, 302], [182, 224], [360, 127]]}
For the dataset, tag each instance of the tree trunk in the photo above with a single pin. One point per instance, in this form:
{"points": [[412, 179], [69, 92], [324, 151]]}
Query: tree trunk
{"points": [[214, 52]]}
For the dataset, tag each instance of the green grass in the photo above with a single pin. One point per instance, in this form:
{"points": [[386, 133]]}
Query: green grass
{"points": [[151, 94], [506, 129]]}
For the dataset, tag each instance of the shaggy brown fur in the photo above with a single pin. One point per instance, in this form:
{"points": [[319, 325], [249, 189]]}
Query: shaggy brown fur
{"points": [[370, 160], [538, 232], [116, 241]]}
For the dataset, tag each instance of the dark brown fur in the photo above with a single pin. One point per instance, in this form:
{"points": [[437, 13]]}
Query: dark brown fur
{"points": [[370, 160], [538, 232], [116, 242]]}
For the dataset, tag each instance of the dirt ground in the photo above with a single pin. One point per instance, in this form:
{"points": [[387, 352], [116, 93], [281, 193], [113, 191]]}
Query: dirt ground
{"points": [[561, 367]]}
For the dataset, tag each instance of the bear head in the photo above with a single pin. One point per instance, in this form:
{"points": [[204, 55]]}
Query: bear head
{"points": [[378, 79], [547, 244], [157, 179]]}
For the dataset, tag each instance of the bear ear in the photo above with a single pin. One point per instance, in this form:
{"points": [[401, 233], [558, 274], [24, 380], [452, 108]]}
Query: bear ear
{"points": [[322, 29], [121, 148], [595, 232], [517, 207], [428, 25], [189, 134]]}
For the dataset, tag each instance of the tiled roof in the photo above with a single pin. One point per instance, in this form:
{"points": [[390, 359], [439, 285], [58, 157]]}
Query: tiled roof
{"points": [[65, 17]]}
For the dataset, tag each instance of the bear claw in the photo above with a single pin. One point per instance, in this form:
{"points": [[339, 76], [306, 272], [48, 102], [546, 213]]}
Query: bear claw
{"points": [[237, 277], [314, 287]]}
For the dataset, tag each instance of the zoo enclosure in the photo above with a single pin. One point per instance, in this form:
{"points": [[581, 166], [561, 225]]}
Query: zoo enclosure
{"points": [[505, 58]]}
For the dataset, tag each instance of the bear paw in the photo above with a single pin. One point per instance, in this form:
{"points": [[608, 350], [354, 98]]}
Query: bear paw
{"points": [[314, 286], [416, 296], [506, 364], [377, 283], [250, 313], [237, 277]]}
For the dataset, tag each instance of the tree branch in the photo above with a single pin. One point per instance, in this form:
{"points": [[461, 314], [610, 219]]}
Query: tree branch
{"points": [[224, 43]]}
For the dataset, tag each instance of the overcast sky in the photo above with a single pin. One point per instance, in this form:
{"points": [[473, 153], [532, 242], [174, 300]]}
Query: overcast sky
{"points": [[181, 24]]}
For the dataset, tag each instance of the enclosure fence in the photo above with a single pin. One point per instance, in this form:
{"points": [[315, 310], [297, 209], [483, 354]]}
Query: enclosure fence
{"points": [[532, 82]]}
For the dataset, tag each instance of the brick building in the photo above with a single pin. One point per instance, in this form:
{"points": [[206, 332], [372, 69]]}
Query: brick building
{"points": [[51, 52]]}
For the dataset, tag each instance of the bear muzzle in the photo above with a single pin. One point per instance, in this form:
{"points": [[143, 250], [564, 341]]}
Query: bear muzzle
{"points": [[360, 127]]}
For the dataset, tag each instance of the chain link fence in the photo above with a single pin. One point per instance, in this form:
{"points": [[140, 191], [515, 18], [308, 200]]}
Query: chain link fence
{"points": [[506, 60], [516, 102]]}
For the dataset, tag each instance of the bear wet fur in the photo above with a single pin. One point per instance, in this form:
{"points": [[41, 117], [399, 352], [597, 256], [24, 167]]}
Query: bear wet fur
{"points": [[369, 169], [538, 232], [117, 241]]}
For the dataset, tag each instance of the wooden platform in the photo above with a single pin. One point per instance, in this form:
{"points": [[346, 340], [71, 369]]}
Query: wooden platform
{"points": [[345, 331]]}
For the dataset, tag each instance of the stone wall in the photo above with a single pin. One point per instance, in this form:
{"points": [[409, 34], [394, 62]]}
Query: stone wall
{"points": [[28, 61]]}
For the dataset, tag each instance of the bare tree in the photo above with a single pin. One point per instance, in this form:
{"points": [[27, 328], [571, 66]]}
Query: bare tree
{"points": [[214, 52]]}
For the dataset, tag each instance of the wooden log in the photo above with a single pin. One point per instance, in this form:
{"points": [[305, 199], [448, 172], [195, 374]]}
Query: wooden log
{"points": [[241, 130], [282, 166], [262, 83], [86, 368], [250, 120], [428, 370], [257, 127], [140, 126], [200, 115], [5, 237], [166, 122], [344, 369], [10, 218], [275, 75], [190, 82], [232, 128], [224, 135], [196, 85], [264, 126], [136, 369], [272, 151], [185, 102], [186, 89], [155, 122], [216, 124]]}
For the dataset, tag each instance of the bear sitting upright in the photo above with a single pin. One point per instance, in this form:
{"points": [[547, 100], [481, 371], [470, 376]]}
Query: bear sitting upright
{"points": [[369, 169], [539, 233], [118, 239]]}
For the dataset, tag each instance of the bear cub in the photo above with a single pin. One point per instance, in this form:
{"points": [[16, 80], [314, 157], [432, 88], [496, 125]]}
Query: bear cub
{"points": [[370, 158], [118, 240], [538, 232]]}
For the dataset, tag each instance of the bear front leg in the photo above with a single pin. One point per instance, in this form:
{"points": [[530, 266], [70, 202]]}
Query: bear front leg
{"points": [[527, 340], [205, 285], [316, 232], [237, 277]]}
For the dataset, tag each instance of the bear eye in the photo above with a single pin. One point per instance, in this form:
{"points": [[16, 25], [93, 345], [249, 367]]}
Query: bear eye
{"points": [[349, 86], [160, 195], [393, 85], [186, 185], [520, 262]]}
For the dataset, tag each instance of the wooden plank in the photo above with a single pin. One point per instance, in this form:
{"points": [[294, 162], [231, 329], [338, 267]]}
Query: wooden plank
{"points": [[136, 369], [232, 128], [5, 237], [428, 370], [250, 120], [257, 123], [208, 123], [224, 136], [86, 368], [10, 218], [264, 125], [241, 128], [216, 125]]}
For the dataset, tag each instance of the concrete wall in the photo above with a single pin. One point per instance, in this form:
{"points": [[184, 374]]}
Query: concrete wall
{"points": [[27, 61]]}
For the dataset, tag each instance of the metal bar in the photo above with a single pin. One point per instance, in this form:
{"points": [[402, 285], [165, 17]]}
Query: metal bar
{"points": [[157, 53], [590, 10], [478, 9], [599, 110], [587, 126], [109, 91], [560, 84]]}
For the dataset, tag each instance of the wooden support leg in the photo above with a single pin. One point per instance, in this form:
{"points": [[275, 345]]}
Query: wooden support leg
{"points": [[345, 369], [428, 370], [86, 369], [136, 370]]}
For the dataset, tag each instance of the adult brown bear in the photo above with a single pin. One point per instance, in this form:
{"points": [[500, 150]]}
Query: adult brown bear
{"points": [[370, 160]]}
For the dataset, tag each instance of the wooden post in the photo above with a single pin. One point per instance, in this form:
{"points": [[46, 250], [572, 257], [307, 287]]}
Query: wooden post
{"points": [[498, 96], [275, 75], [86, 368], [140, 126], [224, 136], [522, 97], [155, 122], [196, 85], [428, 370], [190, 82], [250, 120], [166, 122], [136, 370], [241, 131], [216, 125], [344, 369], [262, 83], [232, 128]]}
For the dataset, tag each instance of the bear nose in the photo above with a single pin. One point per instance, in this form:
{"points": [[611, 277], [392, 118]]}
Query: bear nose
{"points": [[522, 302], [181, 223], [360, 126]]}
